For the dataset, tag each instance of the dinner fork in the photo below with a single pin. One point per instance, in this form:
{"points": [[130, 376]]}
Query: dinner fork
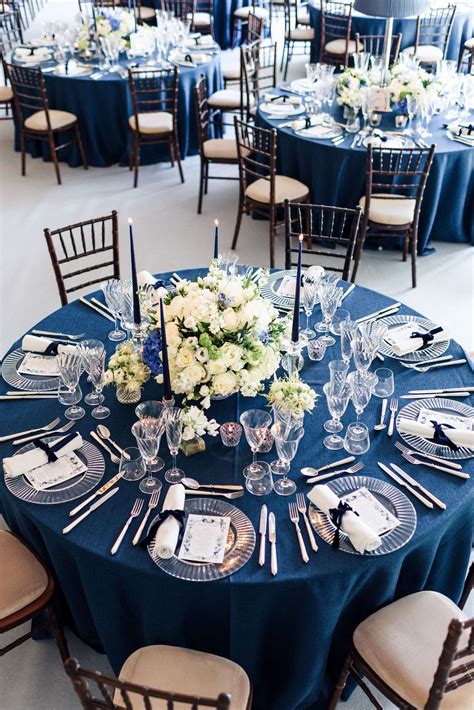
{"points": [[46, 427], [61, 430], [301, 504], [393, 411], [459, 474], [69, 336], [353, 469], [440, 364], [435, 459], [155, 497], [295, 519], [136, 510], [414, 365]]}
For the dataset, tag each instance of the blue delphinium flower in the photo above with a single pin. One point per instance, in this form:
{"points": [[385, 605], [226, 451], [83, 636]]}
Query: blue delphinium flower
{"points": [[264, 337], [151, 352]]}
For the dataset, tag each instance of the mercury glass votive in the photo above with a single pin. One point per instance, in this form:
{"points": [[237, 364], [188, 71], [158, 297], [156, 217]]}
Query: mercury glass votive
{"points": [[230, 433]]}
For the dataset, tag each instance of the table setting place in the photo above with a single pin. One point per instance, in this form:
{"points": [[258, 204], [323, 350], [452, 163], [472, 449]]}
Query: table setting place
{"points": [[238, 332]]}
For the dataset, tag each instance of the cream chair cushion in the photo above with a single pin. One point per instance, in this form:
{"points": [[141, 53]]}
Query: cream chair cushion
{"points": [[152, 122], [58, 119], [304, 18], [469, 44], [390, 209], [6, 94], [426, 53], [244, 12], [185, 671], [231, 70], [227, 99], [338, 46], [146, 13], [221, 149], [201, 19], [302, 34], [22, 579], [285, 189], [402, 643]]}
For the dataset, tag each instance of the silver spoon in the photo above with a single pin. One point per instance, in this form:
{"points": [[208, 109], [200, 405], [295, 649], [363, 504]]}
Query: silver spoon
{"points": [[105, 434], [381, 425], [192, 483], [113, 457]]}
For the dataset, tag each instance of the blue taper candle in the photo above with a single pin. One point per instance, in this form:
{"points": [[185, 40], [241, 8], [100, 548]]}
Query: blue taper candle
{"points": [[164, 356], [94, 17], [136, 300], [216, 240], [296, 313]]}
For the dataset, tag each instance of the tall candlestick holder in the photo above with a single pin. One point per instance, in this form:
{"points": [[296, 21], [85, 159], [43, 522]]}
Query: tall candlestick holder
{"points": [[292, 361]]}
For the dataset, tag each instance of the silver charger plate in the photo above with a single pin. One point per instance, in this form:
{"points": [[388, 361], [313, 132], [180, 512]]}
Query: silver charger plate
{"points": [[394, 140], [11, 375], [270, 289], [448, 406], [63, 492], [291, 109], [431, 351], [390, 497], [239, 548], [320, 132]]}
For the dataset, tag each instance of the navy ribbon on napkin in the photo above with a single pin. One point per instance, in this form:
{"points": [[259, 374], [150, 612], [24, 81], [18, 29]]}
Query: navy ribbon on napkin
{"points": [[50, 449], [280, 96], [164, 515], [440, 437], [52, 349], [336, 515], [428, 337], [158, 284]]}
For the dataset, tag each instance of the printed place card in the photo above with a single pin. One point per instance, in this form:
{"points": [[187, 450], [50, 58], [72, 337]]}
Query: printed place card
{"points": [[205, 538], [37, 364], [52, 474], [425, 416], [402, 332], [371, 511]]}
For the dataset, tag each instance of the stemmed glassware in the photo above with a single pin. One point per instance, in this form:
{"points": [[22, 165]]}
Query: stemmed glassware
{"points": [[337, 401], [362, 385], [329, 295], [287, 439], [152, 409], [148, 433], [337, 375], [309, 299], [112, 293], [348, 330], [412, 110], [97, 375], [173, 418], [70, 369], [91, 350], [256, 423]]}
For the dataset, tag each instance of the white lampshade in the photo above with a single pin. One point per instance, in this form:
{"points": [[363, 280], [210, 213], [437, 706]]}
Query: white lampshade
{"points": [[391, 8]]}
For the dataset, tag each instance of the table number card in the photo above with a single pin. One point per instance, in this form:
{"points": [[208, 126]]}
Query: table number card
{"points": [[51, 474], [380, 99], [35, 364], [371, 511], [205, 538]]}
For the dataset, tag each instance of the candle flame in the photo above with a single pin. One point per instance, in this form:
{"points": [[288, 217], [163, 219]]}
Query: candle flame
{"points": [[130, 220], [216, 222], [301, 237]]}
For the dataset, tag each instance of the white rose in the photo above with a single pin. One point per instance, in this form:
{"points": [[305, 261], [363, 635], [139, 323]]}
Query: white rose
{"points": [[230, 320], [194, 373], [184, 358], [225, 383], [233, 292], [231, 354], [175, 309], [190, 322], [216, 367], [172, 334], [201, 355]]}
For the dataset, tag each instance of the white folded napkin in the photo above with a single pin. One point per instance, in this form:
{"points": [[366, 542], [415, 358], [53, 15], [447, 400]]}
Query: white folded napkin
{"points": [[22, 463], [288, 283], [37, 344], [460, 437], [144, 278], [167, 536], [402, 343], [196, 58], [361, 536], [275, 99]]}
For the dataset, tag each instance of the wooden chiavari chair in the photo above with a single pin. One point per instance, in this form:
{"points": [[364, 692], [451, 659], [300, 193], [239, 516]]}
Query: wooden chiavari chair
{"points": [[260, 70], [198, 12], [204, 681], [256, 27], [142, 13], [297, 35], [26, 590], [433, 31], [410, 650], [234, 100], [10, 23], [221, 151], [336, 23], [155, 113], [373, 44], [10, 36], [232, 69], [330, 236], [466, 56], [36, 121], [240, 17], [261, 190], [395, 184], [90, 247]]}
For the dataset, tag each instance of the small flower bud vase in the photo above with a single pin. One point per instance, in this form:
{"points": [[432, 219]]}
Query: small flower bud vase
{"points": [[126, 396]]}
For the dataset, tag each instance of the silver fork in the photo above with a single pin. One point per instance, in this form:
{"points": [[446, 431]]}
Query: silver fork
{"points": [[414, 365], [295, 519], [452, 471], [46, 427], [136, 510], [301, 504], [435, 459], [440, 364], [61, 430], [155, 497], [393, 411], [353, 469], [69, 336]]}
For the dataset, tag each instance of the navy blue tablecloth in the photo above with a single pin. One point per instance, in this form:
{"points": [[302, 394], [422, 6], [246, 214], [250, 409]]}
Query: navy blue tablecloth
{"points": [[103, 107], [462, 30], [291, 632], [336, 176]]}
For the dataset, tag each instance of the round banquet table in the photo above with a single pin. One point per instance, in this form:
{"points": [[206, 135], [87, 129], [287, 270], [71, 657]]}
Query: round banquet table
{"points": [[103, 107], [291, 632], [462, 29], [335, 175]]}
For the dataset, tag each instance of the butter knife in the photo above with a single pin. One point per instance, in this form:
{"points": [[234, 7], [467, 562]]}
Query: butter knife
{"points": [[101, 490], [404, 484], [93, 507], [263, 531], [413, 482], [273, 538]]}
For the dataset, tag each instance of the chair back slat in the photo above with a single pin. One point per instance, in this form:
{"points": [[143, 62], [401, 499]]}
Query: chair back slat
{"points": [[374, 44], [255, 28], [202, 111], [182, 9], [29, 91], [445, 670], [434, 28]]}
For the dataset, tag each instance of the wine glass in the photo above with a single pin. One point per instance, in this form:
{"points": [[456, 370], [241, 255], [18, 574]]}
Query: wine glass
{"points": [[337, 404], [337, 374], [348, 330], [362, 353], [329, 297], [173, 418], [152, 409], [70, 369], [362, 385], [412, 110], [97, 375], [287, 439], [256, 423], [309, 299], [112, 296], [91, 350], [148, 433]]}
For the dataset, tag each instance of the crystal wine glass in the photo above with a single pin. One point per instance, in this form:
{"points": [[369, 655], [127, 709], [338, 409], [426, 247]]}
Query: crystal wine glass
{"points": [[256, 423], [337, 405], [70, 369], [173, 419], [97, 375], [338, 374], [91, 350], [362, 385], [309, 299], [412, 110], [112, 294], [148, 433], [347, 336], [362, 353], [152, 410], [287, 439], [329, 297]]}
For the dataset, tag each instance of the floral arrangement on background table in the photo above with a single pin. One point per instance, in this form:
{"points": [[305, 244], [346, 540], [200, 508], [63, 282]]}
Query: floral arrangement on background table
{"points": [[116, 24]]}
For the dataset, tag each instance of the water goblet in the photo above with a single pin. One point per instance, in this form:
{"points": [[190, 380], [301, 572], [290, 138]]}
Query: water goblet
{"points": [[132, 467], [385, 385], [152, 409], [256, 423], [287, 439], [148, 433], [309, 299], [97, 375], [329, 296], [362, 353], [111, 290], [173, 419], [338, 374], [362, 384], [70, 369], [337, 405], [91, 350]]}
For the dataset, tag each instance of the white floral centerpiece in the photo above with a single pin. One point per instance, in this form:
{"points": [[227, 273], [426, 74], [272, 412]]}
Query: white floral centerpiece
{"points": [[348, 87], [128, 372], [114, 23], [291, 397]]}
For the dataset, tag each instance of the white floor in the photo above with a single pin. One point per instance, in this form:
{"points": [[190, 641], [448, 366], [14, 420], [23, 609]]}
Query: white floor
{"points": [[170, 235]]}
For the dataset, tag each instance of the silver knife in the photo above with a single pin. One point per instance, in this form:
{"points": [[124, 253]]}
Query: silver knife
{"points": [[263, 532], [446, 390], [404, 484], [89, 510], [435, 395], [102, 489], [415, 484], [272, 536], [346, 293], [376, 314]]}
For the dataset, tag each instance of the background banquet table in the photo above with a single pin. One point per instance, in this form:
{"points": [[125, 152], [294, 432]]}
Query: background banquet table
{"points": [[103, 107], [291, 632], [336, 176], [463, 28]]}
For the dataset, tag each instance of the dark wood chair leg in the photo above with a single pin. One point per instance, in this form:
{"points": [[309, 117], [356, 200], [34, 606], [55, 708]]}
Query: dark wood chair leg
{"points": [[130, 153], [272, 235], [341, 683], [81, 147], [239, 222], [201, 186], [171, 149], [406, 243], [54, 156], [23, 152], [136, 159], [206, 179], [413, 258], [178, 159], [58, 633]]}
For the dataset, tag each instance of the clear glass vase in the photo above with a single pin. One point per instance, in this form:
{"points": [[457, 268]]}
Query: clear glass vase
{"points": [[125, 396]]}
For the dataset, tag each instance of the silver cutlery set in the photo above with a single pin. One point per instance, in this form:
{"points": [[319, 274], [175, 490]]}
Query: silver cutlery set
{"points": [[268, 520]]}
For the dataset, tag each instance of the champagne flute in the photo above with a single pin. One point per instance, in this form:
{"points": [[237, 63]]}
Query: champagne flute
{"points": [[173, 418]]}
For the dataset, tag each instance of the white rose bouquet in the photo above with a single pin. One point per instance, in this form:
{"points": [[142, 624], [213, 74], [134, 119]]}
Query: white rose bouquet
{"points": [[116, 23], [195, 423], [348, 87], [292, 396], [126, 369], [411, 82]]}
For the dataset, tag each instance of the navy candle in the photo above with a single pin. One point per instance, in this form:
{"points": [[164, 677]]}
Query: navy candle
{"points": [[296, 313], [164, 356], [216, 240], [136, 300]]}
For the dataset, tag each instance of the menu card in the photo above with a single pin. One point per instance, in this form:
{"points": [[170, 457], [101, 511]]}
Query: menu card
{"points": [[205, 538], [51, 474], [371, 511], [37, 364]]}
